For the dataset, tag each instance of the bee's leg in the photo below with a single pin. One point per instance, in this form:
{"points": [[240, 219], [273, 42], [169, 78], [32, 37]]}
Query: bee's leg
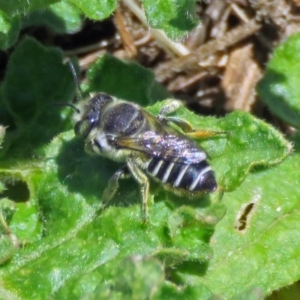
{"points": [[184, 125], [143, 180], [170, 107], [113, 185], [202, 134], [188, 129]]}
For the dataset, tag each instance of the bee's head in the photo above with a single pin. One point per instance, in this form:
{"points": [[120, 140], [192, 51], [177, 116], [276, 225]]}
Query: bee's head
{"points": [[91, 116]]}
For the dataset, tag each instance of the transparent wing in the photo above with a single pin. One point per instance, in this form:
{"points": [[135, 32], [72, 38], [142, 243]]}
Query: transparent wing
{"points": [[167, 147]]}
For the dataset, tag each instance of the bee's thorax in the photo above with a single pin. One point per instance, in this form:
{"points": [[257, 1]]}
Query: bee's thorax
{"points": [[123, 119]]}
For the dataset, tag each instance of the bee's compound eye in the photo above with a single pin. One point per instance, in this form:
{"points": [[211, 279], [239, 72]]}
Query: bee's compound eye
{"points": [[82, 129]]}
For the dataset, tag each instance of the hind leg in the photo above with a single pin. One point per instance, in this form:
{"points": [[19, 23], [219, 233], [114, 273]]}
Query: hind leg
{"points": [[184, 125]]}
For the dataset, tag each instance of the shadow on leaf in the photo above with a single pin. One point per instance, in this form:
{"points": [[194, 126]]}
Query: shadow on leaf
{"points": [[89, 175]]}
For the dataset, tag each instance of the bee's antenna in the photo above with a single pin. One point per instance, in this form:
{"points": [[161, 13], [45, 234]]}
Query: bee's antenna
{"points": [[79, 92], [68, 104]]}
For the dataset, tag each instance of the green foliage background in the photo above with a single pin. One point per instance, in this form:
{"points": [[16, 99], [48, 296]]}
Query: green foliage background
{"points": [[239, 243]]}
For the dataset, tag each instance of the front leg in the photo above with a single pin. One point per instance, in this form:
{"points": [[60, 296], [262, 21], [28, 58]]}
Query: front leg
{"points": [[113, 185]]}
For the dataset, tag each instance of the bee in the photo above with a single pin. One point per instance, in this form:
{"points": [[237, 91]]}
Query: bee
{"points": [[148, 145]]}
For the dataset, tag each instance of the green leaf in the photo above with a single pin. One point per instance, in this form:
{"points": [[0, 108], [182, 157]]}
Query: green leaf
{"points": [[265, 251], [279, 88], [2, 187], [18, 209], [61, 17], [70, 188], [250, 294], [184, 224], [176, 18], [9, 30], [80, 242], [70, 248], [249, 142], [25, 223], [7, 249], [35, 79], [96, 9], [7, 207], [108, 72], [7, 240], [137, 277], [5, 117], [2, 134], [18, 7], [191, 292]]}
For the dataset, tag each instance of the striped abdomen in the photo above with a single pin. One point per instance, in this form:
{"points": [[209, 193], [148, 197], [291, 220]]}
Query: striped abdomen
{"points": [[197, 177]]}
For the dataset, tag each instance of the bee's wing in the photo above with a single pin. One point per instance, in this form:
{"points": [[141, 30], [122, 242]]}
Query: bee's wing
{"points": [[168, 147]]}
